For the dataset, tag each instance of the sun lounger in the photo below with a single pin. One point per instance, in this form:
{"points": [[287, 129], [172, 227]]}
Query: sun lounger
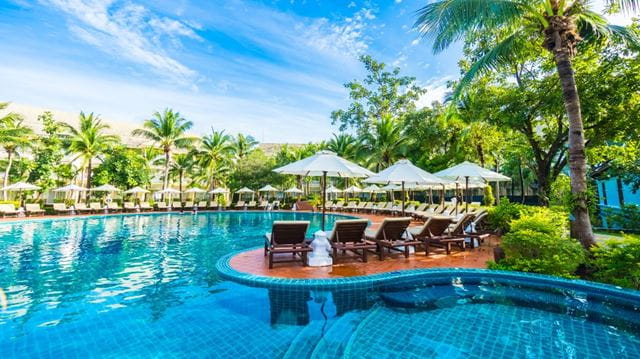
{"points": [[61, 208], [413, 211], [33, 209], [162, 206], [435, 229], [251, 204], [176, 205], [213, 205], [348, 235], [145, 207], [82, 208], [96, 207], [129, 207], [240, 205], [114, 207], [202, 205], [368, 207], [337, 206], [327, 204], [390, 235], [350, 207], [188, 205], [8, 209], [263, 205], [287, 237]]}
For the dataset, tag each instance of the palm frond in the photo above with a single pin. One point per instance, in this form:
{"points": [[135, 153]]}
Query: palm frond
{"points": [[501, 54], [448, 21], [594, 28], [626, 5]]}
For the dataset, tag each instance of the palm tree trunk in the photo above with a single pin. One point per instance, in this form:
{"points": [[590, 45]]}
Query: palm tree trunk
{"points": [[521, 174], [581, 225], [5, 182], [89, 168]]}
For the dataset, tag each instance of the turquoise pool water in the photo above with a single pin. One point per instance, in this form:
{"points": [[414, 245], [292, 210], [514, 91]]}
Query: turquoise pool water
{"points": [[146, 286]]}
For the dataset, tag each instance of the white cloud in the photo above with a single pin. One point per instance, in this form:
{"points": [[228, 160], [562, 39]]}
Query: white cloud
{"points": [[130, 31], [347, 36], [415, 42], [436, 91]]}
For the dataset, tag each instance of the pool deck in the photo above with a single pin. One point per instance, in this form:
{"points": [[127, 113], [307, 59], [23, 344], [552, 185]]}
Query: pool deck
{"points": [[254, 262]]}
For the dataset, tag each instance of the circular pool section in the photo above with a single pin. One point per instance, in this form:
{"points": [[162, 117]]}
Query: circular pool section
{"points": [[148, 286]]}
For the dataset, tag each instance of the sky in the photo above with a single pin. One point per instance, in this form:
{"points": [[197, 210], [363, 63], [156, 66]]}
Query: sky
{"points": [[272, 69]]}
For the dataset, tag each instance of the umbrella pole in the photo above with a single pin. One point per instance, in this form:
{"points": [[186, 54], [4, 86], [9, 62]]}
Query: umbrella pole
{"points": [[324, 194], [456, 195], [466, 178], [403, 195]]}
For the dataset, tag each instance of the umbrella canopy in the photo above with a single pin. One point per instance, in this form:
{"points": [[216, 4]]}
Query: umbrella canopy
{"points": [[371, 188], [404, 172], [136, 190], [219, 190], [390, 187], [353, 189], [472, 170], [195, 190], [245, 190], [169, 191], [21, 186], [70, 188], [294, 190], [333, 189], [268, 188], [325, 164], [106, 188]]}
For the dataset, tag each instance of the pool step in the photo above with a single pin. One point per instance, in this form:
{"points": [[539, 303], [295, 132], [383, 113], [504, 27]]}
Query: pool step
{"points": [[303, 344], [431, 297], [333, 343]]}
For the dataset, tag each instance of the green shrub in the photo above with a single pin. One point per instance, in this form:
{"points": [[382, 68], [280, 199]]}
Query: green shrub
{"points": [[627, 217], [488, 199], [617, 262], [500, 217], [538, 243]]}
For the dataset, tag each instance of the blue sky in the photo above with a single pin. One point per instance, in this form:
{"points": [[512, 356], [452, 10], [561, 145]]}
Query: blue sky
{"points": [[272, 69]]}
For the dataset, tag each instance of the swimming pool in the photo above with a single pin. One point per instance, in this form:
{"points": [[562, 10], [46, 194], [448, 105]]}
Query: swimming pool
{"points": [[147, 286]]}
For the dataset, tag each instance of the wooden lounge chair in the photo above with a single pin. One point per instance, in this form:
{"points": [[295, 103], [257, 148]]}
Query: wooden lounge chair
{"points": [[162, 206], [96, 207], [61, 208], [188, 205], [348, 235], [454, 234], [213, 205], [202, 205], [8, 209], [251, 204], [389, 235], [145, 207], [413, 211], [129, 207], [337, 206], [263, 205], [240, 205], [176, 205], [435, 228], [114, 207], [367, 207], [82, 208], [287, 237], [33, 209], [350, 207], [327, 204]]}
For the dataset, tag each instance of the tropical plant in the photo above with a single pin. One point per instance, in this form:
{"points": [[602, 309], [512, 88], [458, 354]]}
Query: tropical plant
{"points": [[47, 152], [13, 136], [345, 146], [122, 167], [557, 26], [181, 165], [243, 145], [385, 143], [168, 131], [214, 152], [89, 141], [617, 262]]}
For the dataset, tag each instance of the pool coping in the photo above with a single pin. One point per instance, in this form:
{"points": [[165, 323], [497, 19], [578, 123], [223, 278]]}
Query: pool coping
{"points": [[373, 281]]}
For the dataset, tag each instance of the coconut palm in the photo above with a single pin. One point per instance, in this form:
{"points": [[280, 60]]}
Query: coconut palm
{"points": [[243, 145], [182, 164], [345, 146], [215, 150], [168, 131], [385, 142], [13, 136], [89, 141], [557, 26]]}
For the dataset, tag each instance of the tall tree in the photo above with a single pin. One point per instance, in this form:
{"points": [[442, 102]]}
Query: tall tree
{"points": [[13, 136], [168, 131], [386, 143], [89, 141], [381, 93], [243, 145], [345, 146], [556, 25], [182, 164], [215, 150]]}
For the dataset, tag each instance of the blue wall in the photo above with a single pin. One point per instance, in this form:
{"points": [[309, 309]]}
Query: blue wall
{"points": [[611, 190]]}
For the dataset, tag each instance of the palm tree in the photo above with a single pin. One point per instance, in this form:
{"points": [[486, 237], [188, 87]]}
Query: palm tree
{"points": [[345, 146], [13, 135], [182, 164], [89, 141], [168, 131], [243, 145], [557, 26], [385, 142], [216, 149]]}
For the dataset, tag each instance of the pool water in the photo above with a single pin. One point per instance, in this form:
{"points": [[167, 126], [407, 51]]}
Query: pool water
{"points": [[147, 286]]}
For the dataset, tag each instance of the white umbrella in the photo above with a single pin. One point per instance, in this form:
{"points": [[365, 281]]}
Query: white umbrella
{"points": [[105, 188], [371, 188], [21, 186], [169, 191], [404, 172], [268, 188], [294, 190], [390, 187], [353, 189], [325, 164], [195, 190], [333, 189], [136, 190], [245, 190], [70, 188], [468, 170]]}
